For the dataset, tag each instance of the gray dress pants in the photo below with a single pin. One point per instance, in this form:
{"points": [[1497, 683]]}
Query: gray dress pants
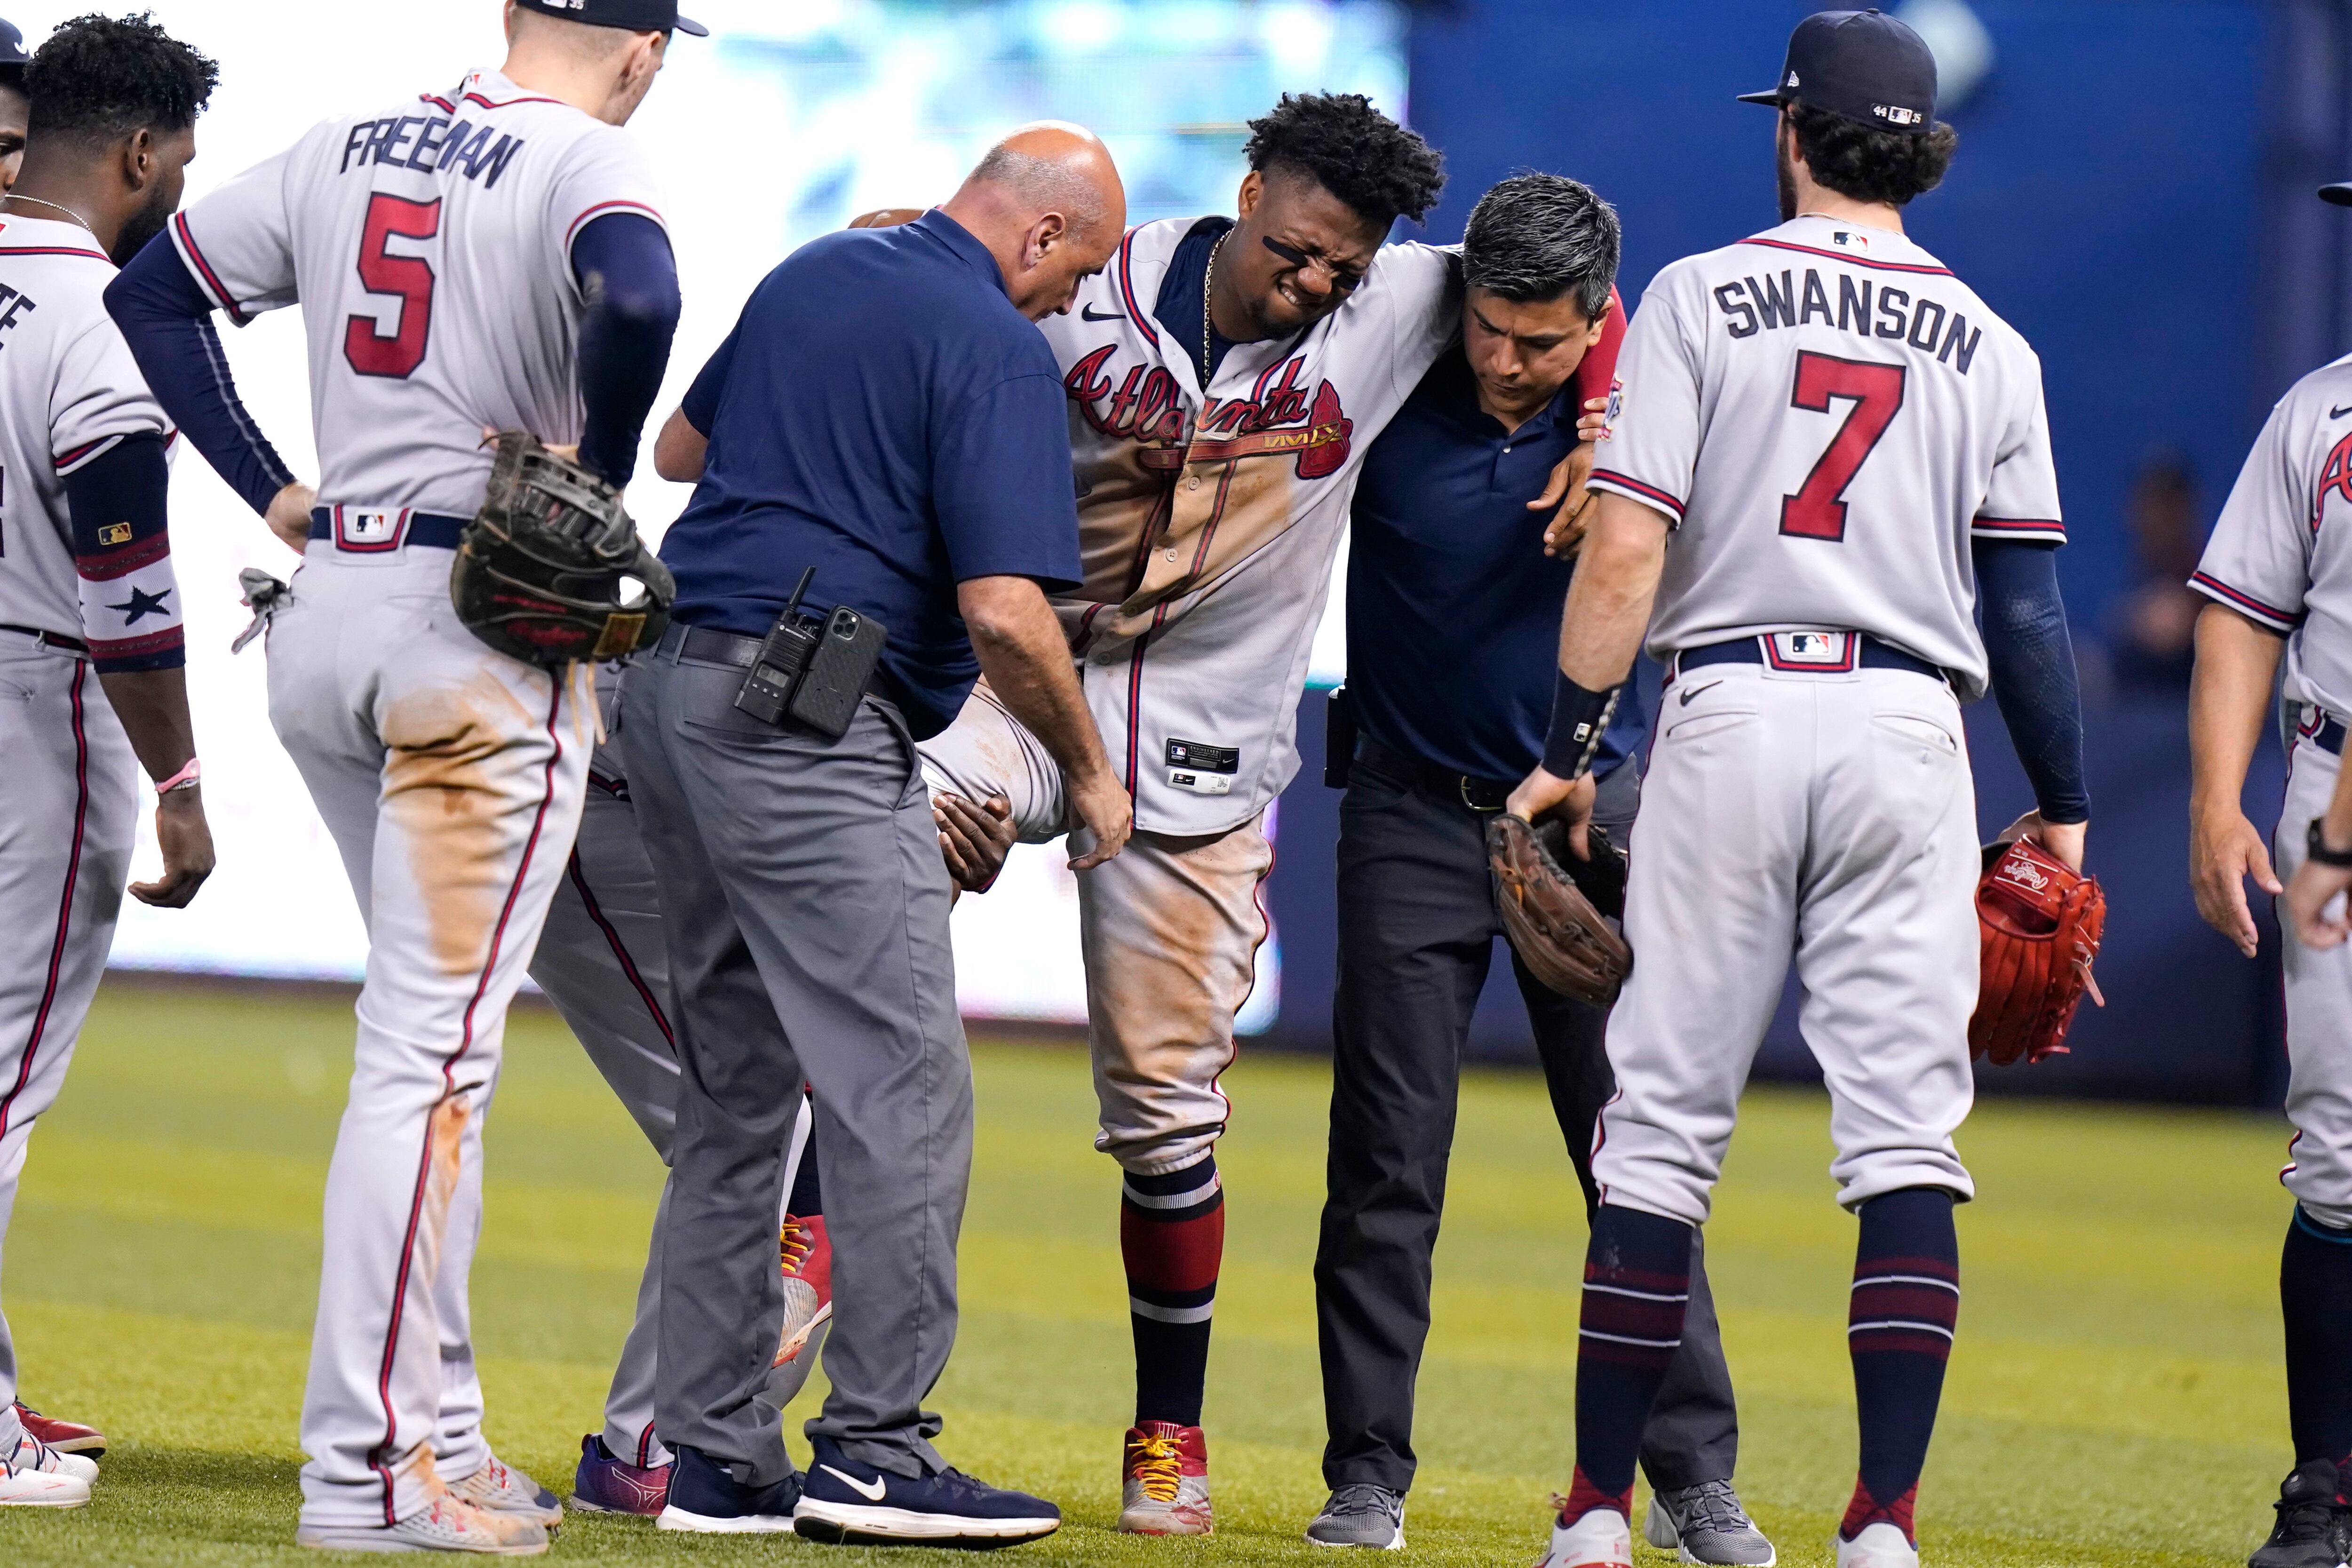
{"points": [[804, 908], [1417, 929]]}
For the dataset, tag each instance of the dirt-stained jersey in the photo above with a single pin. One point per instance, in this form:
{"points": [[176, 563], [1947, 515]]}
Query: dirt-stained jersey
{"points": [[2280, 554], [430, 249], [70, 392], [1208, 521], [1828, 414]]}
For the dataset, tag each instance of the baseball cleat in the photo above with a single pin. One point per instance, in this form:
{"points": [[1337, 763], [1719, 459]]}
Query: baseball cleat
{"points": [[1360, 1515], [502, 1488], [706, 1498], [448, 1523], [65, 1437], [2312, 1524], [1705, 1523], [845, 1503], [31, 1475], [1600, 1539], [32, 1453], [807, 1254], [603, 1484], [1165, 1485], [1880, 1545]]}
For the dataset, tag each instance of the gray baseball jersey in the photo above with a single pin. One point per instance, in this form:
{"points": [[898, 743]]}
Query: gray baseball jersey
{"points": [[2278, 554], [1208, 521], [1827, 415], [430, 247], [70, 391]]}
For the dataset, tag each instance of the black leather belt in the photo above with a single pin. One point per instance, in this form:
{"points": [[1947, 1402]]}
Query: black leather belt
{"points": [[440, 532], [1873, 655], [707, 645], [48, 640], [1478, 795]]}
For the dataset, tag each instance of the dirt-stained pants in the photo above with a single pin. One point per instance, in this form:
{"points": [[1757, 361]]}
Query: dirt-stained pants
{"points": [[451, 777]]}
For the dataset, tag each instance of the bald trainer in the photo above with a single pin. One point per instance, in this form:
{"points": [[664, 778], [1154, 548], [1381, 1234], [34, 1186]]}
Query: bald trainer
{"points": [[886, 432]]}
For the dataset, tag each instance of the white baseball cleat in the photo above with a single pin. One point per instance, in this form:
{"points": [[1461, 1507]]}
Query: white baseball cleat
{"points": [[41, 1489], [445, 1524], [32, 1453], [1880, 1545], [1603, 1538], [502, 1488]]}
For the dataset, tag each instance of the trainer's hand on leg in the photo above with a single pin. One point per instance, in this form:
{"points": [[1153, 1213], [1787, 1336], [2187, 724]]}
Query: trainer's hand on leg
{"points": [[973, 840], [2224, 849], [1104, 811]]}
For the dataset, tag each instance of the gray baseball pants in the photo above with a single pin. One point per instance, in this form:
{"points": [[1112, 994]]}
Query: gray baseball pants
{"points": [[800, 880]]}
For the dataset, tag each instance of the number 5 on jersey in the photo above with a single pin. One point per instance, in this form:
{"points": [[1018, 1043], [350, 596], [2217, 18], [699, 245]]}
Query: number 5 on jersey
{"points": [[1818, 509], [408, 277]]}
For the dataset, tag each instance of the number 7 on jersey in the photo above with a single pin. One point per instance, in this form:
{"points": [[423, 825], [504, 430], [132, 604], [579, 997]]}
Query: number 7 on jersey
{"points": [[1818, 509]]}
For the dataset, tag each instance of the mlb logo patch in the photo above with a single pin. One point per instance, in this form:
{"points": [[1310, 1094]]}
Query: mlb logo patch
{"points": [[369, 533], [1846, 239], [1810, 650]]}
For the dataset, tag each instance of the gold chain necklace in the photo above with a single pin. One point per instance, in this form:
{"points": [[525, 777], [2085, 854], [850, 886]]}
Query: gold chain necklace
{"points": [[1208, 327]]}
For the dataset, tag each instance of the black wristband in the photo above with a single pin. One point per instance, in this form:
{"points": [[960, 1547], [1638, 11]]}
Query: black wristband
{"points": [[2316, 846], [1579, 720]]}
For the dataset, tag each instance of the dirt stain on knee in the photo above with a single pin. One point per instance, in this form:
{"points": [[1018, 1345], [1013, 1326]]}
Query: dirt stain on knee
{"points": [[447, 1134], [457, 802]]}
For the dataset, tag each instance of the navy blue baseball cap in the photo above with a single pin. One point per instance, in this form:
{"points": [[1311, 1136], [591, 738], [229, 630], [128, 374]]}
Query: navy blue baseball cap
{"points": [[1862, 66], [12, 46], [636, 16]]}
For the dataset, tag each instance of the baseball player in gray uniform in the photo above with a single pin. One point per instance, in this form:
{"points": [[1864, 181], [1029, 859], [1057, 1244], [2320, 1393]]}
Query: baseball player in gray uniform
{"points": [[486, 258], [1848, 451], [92, 658], [2279, 572]]}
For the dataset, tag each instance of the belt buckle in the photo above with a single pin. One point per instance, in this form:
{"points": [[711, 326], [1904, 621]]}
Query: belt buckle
{"points": [[1461, 782]]}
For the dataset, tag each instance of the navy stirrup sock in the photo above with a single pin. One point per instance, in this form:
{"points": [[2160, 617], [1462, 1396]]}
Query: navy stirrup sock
{"points": [[1636, 1291], [1906, 1304], [2314, 1282], [1171, 1235]]}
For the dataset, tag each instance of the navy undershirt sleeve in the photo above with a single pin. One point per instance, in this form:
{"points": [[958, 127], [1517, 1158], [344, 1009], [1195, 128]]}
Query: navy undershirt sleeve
{"points": [[2033, 679], [630, 278], [166, 319], [117, 505]]}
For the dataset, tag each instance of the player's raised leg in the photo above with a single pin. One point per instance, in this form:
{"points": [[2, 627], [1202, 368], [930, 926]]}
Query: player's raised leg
{"points": [[1170, 930]]}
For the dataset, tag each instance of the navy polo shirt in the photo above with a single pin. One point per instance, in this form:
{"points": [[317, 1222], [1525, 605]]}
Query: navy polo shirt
{"points": [[1453, 607], [883, 413]]}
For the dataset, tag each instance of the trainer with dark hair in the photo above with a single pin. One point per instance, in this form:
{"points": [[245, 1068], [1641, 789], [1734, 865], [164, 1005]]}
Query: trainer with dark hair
{"points": [[1454, 604]]}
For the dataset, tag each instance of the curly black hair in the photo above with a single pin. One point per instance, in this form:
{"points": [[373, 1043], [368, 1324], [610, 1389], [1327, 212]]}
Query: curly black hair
{"points": [[1380, 168], [101, 77], [1868, 163]]}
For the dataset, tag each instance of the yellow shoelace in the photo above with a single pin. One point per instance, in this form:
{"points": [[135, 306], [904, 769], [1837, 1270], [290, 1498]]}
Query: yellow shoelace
{"points": [[797, 1242], [1159, 1463]]}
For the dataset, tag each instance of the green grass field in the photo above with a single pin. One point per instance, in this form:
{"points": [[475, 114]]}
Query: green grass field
{"points": [[2116, 1397]]}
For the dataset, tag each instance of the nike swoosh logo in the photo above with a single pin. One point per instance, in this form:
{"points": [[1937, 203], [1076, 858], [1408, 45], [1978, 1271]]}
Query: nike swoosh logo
{"points": [[870, 1490], [1087, 313], [1691, 691], [2339, 413]]}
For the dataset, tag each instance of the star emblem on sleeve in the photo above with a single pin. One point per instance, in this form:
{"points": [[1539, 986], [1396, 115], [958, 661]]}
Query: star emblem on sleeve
{"points": [[141, 605]]}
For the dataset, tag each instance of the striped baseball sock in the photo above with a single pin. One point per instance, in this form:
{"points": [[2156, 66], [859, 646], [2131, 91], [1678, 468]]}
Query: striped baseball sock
{"points": [[1906, 1304], [2314, 1281], [1636, 1289], [1171, 1235]]}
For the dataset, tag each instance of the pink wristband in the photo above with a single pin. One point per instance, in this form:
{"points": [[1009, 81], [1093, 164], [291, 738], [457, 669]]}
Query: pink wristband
{"points": [[184, 779]]}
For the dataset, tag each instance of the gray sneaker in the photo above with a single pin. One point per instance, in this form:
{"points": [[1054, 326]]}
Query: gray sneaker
{"points": [[1360, 1516], [1705, 1523]]}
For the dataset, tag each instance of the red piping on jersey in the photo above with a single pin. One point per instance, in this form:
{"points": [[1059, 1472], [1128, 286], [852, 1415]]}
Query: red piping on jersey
{"points": [[1135, 698], [1853, 260], [204, 272], [573, 233], [65, 903], [2286, 620], [87, 449], [620, 949], [438, 102], [2018, 525], [449, 1086], [1127, 292], [54, 250], [1650, 493], [509, 103]]}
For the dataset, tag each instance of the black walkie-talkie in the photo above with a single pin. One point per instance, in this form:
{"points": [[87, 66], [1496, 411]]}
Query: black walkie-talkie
{"points": [[768, 688]]}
